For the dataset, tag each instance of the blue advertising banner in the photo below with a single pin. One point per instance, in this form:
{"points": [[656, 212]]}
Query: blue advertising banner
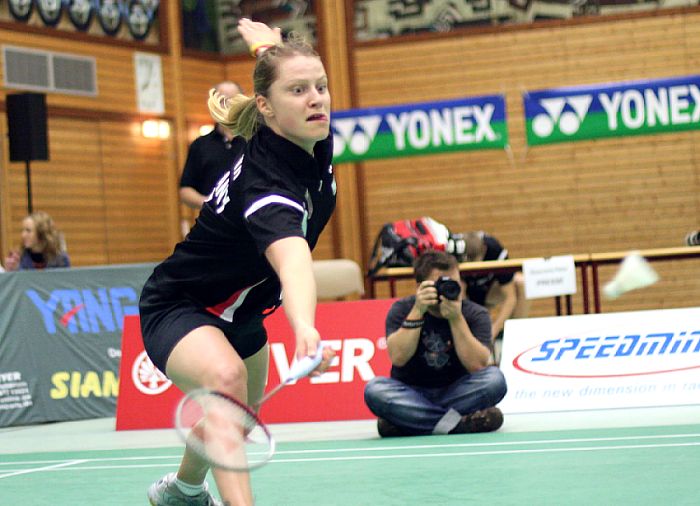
{"points": [[60, 341], [612, 110], [419, 129]]}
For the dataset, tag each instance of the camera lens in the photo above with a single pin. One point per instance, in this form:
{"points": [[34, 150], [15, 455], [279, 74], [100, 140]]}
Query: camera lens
{"points": [[448, 287]]}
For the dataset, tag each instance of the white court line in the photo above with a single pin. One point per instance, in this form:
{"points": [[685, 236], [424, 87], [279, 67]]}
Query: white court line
{"points": [[482, 453], [62, 462], [54, 467], [386, 457], [100, 459], [502, 443], [389, 448]]}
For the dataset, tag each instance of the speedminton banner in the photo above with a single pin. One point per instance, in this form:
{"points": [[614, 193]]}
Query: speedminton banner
{"points": [[420, 129], [613, 110]]}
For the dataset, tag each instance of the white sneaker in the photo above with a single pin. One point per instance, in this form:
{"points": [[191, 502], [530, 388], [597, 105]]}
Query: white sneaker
{"points": [[164, 492]]}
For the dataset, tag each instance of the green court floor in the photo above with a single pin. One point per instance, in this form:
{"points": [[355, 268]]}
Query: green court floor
{"points": [[613, 466]]}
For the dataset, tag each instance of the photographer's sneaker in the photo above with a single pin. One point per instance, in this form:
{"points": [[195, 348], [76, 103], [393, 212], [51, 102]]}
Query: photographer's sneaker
{"points": [[388, 429], [484, 420], [164, 492]]}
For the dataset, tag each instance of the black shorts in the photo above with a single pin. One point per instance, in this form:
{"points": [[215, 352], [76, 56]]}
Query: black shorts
{"points": [[165, 320]]}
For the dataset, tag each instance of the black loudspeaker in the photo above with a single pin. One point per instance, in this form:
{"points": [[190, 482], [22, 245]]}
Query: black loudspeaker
{"points": [[26, 125]]}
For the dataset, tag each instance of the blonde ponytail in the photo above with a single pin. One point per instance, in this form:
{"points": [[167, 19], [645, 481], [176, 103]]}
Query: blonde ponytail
{"points": [[239, 114]]}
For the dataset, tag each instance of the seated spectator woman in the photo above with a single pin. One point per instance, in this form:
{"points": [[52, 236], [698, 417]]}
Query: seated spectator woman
{"points": [[42, 245]]}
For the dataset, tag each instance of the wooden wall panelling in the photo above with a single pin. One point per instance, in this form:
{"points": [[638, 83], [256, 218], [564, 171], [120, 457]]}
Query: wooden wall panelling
{"points": [[68, 187], [198, 76], [109, 192], [593, 196], [115, 73], [345, 229], [105, 177], [240, 70], [138, 195]]}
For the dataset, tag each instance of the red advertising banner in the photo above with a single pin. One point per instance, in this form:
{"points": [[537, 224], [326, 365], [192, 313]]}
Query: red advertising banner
{"points": [[355, 330]]}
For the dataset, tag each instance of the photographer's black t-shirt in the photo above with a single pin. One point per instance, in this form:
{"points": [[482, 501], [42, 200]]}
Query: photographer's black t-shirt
{"points": [[435, 363]]}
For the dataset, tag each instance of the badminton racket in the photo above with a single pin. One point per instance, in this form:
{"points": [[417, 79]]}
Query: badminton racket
{"points": [[226, 432]]}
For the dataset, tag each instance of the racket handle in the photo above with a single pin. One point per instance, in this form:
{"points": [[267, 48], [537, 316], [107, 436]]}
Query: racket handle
{"points": [[303, 367]]}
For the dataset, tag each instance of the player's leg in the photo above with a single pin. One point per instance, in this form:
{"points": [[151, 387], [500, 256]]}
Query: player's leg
{"points": [[257, 366], [205, 358]]}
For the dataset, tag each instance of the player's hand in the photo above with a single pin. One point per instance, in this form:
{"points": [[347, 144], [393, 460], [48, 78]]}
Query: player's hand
{"points": [[254, 32], [308, 341], [328, 356]]}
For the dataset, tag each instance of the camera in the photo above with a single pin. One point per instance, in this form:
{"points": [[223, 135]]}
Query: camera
{"points": [[693, 238], [448, 287]]}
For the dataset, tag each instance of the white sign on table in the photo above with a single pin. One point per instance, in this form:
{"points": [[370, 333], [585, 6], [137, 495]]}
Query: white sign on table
{"points": [[549, 277]]}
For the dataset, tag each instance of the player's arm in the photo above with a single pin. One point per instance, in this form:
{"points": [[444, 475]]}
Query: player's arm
{"points": [[506, 308], [258, 36], [290, 257], [191, 197]]}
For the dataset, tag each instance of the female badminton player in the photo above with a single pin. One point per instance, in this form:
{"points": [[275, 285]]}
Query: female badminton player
{"points": [[202, 308]]}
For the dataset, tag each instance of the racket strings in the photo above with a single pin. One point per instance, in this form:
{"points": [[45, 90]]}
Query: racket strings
{"points": [[224, 432]]}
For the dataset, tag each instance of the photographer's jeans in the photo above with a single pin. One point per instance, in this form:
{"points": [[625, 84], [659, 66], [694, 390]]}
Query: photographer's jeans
{"points": [[420, 409]]}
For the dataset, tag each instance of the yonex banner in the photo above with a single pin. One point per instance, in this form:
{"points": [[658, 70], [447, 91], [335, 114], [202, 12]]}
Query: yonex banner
{"points": [[612, 110], [419, 129], [602, 361], [60, 341]]}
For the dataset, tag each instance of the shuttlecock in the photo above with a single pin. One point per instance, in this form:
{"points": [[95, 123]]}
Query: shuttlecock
{"points": [[634, 272]]}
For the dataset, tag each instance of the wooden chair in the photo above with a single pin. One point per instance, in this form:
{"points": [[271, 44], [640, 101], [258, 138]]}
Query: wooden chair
{"points": [[338, 279]]}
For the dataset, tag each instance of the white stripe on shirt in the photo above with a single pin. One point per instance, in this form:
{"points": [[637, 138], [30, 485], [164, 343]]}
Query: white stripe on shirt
{"points": [[271, 199]]}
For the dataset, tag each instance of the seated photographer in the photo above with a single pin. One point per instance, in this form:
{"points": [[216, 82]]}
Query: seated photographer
{"points": [[503, 294], [439, 345]]}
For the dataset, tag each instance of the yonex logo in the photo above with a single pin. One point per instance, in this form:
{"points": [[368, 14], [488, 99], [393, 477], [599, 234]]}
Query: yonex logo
{"points": [[567, 119], [147, 378], [357, 134]]}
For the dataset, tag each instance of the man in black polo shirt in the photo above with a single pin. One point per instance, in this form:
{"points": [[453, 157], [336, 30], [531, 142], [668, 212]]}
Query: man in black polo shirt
{"points": [[209, 157]]}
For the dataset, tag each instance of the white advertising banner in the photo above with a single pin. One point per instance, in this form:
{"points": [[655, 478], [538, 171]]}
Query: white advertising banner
{"points": [[602, 361]]}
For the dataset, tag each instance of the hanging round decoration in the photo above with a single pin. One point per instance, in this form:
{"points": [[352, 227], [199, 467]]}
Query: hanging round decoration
{"points": [[138, 19], [50, 11], [109, 14], [80, 13], [21, 9]]}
